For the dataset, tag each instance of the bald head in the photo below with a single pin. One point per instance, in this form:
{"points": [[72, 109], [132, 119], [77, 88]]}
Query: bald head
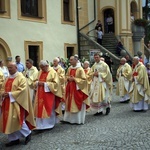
{"points": [[12, 68], [123, 61], [73, 61], [102, 59]]}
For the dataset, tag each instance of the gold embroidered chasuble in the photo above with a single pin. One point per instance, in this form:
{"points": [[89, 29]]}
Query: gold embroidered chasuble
{"points": [[72, 105], [1, 79], [101, 86], [20, 93], [61, 75], [53, 83], [140, 88], [124, 74], [32, 74]]}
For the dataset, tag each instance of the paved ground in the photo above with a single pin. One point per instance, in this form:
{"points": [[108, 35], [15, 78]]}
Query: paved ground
{"points": [[122, 129]]}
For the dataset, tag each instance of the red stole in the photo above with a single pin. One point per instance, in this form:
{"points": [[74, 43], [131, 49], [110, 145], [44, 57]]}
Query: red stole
{"points": [[73, 93], [56, 70], [45, 99], [85, 70], [6, 102], [135, 73], [6, 105]]}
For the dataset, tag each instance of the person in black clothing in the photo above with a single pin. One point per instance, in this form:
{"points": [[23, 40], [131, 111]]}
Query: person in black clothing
{"points": [[119, 47], [99, 24], [108, 61], [128, 60]]}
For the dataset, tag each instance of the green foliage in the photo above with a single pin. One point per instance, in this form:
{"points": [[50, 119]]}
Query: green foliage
{"points": [[147, 34], [66, 62], [141, 22]]}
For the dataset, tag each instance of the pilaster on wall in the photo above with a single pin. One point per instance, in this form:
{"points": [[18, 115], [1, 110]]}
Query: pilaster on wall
{"points": [[140, 9], [125, 23], [99, 16], [83, 15], [128, 43]]}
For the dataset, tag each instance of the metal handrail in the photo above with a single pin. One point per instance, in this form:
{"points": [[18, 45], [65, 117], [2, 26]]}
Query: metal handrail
{"points": [[96, 37], [111, 43], [147, 49], [90, 31], [99, 46]]}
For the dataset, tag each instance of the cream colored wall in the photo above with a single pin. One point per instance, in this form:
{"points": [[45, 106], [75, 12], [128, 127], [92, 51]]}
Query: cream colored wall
{"points": [[53, 34], [105, 3], [91, 14], [83, 15], [122, 18]]}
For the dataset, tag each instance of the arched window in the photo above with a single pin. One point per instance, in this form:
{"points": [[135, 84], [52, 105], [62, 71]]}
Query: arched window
{"points": [[133, 9]]}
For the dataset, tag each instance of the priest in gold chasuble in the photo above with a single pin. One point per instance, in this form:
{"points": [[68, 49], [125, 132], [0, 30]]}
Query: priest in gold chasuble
{"points": [[31, 74], [46, 105], [76, 94], [86, 68], [140, 89], [124, 73], [61, 75], [1, 79], [16, 117], [101, 87]]}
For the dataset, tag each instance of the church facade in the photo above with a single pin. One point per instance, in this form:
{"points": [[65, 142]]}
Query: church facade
{"points": [[44, 29]]}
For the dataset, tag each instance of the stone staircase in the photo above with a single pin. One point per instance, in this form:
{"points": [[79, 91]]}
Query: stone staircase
{"points": [[110, 42], [108, 46]]}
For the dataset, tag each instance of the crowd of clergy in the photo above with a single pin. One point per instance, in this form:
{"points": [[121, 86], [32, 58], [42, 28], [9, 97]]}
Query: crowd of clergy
{"points": [[36, 100]]}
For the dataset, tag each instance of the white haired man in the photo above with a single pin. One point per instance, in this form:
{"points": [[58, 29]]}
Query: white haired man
{"points": [[46, 106], [77, 57], [31, 74], [16, 117], [61, 75], [76, 93], [123, 75], [86, 68], [140, 90]]}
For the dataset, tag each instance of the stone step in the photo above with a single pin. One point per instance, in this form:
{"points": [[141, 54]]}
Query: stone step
{"points": [[109, 42]]}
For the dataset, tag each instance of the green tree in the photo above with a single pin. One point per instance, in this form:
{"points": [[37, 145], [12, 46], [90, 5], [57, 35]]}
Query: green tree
{"points": [[146, 13]]}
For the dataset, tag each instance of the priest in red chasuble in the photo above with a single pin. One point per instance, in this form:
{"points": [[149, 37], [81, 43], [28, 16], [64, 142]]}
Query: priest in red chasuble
{"points": [[76, 93], [16, 116], [46, 105]]}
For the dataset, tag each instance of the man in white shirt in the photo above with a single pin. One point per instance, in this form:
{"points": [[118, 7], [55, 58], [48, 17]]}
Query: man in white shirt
{"points": [[99, 35], [31, 74], [4, 69], [110, 23]]}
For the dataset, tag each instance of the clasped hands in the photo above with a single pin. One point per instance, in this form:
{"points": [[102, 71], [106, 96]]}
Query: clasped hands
{"points": [[5, 95], [133, 79], [95, 74], [71, 78], [40, 83]]}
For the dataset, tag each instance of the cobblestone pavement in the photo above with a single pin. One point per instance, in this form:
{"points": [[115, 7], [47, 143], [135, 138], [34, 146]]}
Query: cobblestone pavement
{"points": [[122, 129]]}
